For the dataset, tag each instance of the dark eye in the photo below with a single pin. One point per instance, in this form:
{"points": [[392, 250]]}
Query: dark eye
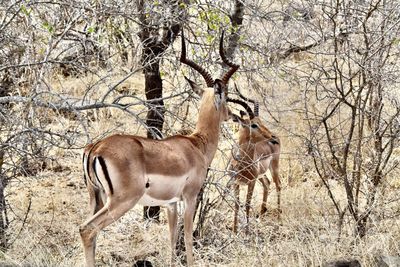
{"points": [[254, 126]]}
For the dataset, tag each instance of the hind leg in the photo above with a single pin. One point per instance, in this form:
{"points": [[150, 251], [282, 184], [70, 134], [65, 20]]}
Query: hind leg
{"points": [[105, 216], [95, 204]]}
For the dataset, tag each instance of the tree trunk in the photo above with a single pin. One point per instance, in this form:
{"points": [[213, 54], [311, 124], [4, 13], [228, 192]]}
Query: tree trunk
{"points": [[154, 90], [236, 21]]}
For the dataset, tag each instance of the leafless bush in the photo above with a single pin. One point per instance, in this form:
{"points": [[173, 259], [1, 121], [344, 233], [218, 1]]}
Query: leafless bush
{"points": [[326, 73]]}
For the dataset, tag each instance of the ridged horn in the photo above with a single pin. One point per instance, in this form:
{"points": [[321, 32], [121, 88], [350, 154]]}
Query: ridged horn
{"points": [[206, 75], [243, 104], [234, 67], [255, 103]]}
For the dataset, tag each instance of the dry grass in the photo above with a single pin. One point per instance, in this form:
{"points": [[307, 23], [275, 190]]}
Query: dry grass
{"points": [[306, 235]]}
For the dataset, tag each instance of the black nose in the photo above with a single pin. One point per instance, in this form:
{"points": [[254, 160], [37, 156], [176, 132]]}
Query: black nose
{"points": [[274, 141]]}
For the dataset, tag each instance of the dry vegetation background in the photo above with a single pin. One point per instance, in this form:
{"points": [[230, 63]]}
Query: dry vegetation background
{"points": [[326, 74]]}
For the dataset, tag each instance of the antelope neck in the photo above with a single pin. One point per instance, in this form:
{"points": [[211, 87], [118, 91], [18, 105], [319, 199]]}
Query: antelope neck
{"points": [[246, 151], [208, 124]]}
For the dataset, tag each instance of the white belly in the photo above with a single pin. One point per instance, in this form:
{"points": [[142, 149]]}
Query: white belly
{"points": [[263, 165], [160, 185], [147, 200]]}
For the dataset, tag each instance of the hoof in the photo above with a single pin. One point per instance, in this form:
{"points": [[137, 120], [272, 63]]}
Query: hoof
{"points": [[142, 263]]}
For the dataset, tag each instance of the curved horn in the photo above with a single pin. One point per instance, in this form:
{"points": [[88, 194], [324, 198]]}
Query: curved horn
{"points": [[234, 67], [207, 76], [256, 109], [243, 104], [255, 103]]}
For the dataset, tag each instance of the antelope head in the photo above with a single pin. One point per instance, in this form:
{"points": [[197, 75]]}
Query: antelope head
{"points": [[253, 129]]}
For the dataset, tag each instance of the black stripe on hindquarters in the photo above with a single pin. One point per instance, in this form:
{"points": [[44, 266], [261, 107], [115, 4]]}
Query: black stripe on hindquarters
{"points": [[95, 173], [88, 162], [87, 168], [83, 164], [106, 174]]}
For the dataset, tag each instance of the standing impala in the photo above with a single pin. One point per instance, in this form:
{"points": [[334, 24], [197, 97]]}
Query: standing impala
{"points": [[259, 151], [124, 170]]}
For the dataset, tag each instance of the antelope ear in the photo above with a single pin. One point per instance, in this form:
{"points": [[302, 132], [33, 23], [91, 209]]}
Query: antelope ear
{"points": [[196, 88], [238, 119], [234, 117]]}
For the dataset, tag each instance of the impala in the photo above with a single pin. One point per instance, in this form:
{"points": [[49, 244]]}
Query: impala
{"points": [[259, 151], [124, 170]]}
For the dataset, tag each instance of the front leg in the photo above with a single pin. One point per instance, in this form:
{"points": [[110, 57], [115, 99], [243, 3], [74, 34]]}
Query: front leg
{"points": [[265, 183], [172, 223], [274, 168], [237, 206], [188, 228], [250, 190]]}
